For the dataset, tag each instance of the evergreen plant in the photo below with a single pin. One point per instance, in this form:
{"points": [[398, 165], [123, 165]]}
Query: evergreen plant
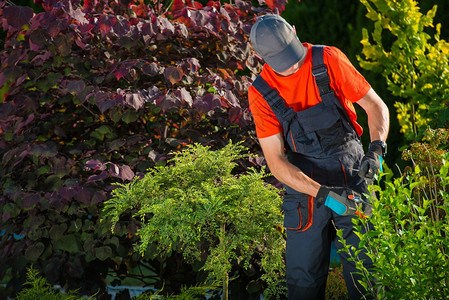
{"points": [[196, 206]]}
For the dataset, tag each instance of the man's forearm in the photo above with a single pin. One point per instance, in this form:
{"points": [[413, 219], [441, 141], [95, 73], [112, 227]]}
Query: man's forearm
{"points": [[283, 170], [292, 176], [378, 115]]}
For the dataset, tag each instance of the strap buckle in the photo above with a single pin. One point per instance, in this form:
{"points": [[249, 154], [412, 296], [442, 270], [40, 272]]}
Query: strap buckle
{"points": [[322, 79]]}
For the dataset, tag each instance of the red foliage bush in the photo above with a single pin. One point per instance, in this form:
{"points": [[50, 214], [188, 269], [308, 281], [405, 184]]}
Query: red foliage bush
{"points": [[98, 91]]}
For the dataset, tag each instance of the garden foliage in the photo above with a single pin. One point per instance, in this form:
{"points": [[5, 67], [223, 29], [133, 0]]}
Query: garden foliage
{"points": [[408, 245], [96, 92], [39, 288], [405, 47], [197, 207]]}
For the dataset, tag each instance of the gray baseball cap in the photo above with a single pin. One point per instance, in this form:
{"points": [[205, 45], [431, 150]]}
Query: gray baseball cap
{"points": [[276, 42]]}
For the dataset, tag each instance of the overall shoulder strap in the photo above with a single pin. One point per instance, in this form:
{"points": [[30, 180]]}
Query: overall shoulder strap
{"points": [[322, 79], [319, 71], [276, 102]]}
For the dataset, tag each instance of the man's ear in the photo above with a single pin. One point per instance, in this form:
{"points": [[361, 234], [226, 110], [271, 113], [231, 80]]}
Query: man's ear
{"points": [[257, 55]]}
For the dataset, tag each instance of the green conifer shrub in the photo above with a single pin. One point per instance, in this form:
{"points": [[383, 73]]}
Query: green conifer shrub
{"points": [[196, 206], [39, 288]]}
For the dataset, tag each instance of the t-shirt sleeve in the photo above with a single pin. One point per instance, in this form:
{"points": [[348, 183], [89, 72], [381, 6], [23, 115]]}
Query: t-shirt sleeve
{"points": [[346, 79], [264, 119]]}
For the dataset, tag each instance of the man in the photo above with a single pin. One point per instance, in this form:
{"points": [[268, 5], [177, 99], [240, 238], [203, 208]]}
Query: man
{"points": [[306, 125]]}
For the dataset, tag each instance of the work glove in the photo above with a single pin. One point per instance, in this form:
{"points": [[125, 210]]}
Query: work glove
{"points": [[371, 162], [343, 201]]}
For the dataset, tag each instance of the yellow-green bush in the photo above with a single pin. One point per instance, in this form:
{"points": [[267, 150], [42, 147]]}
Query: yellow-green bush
{"points": [[414, 63]]}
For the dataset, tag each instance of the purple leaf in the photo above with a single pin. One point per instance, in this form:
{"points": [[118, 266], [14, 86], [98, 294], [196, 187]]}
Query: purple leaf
{"points": [[147, 31], [207, 103], [39, 60], [82, 195], [21, 157], [53, 24], [107, 104], [156, 156], [105, 23], [201, 18], [67, 193], [121, 28], [167, 29], [95, 165], [102, 176], [30, 200], [122, 72], [98, 197], [59, 166], [134, 100], [151, 69], [184, 95], [23, 124], [87, 28], [17, 16], [193, 64], [231, 98], [182, 30], [38, 38], [153, 95], [77, 14], [80, 44], [104, 101], [123, 172], [21, 79], [2, 79], [76, 86], [168, 102], [63, 44], [173, 74]]}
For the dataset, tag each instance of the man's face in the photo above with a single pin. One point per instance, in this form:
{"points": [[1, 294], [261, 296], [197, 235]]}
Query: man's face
{"points": [[292, 70]]}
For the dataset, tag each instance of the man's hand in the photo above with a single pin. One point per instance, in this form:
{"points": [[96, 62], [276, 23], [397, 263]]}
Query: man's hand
{"points": [[341, 200], [371, 162]]}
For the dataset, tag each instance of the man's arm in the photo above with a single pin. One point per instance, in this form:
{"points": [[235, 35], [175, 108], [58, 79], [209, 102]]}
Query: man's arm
{"points": [[378, 115], [282, 169]]}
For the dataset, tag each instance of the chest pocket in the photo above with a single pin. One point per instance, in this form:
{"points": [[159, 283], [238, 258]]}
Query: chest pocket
{"points": [[312, 131]]}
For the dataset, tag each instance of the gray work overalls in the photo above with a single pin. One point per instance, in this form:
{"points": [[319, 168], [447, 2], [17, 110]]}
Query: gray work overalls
{"points": [[325, 146]]}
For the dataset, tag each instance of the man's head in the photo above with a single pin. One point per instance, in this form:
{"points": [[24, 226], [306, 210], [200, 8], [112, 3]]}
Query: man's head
{"points": [[276, 42]]}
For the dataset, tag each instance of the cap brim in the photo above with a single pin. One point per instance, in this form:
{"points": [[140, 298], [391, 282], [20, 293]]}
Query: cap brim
{"points": [[287, 57]]}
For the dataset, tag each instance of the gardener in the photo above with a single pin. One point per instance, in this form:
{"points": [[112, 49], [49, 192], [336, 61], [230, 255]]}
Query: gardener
{"points": [[302, 104]]}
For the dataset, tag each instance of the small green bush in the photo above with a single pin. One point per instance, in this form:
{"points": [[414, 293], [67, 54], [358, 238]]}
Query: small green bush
{"points": [[40, 289], [408, 245], [197, 207]]}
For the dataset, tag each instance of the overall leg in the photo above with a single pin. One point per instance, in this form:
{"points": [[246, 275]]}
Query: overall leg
{"points": [[307, 258]]}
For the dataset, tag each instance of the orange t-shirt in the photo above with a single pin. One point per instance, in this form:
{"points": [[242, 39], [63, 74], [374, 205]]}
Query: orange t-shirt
{"points": [[300, 91]]}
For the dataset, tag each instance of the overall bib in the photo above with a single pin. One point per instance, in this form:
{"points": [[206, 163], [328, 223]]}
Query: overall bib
{"points": [[325, 146]]}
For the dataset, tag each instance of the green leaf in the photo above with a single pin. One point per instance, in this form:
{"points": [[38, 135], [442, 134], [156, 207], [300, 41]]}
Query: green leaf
{"points": [[49, 82], [57, 231], [130, 116], [34, 251], [103, 253], [43, 170], [67, 243]]}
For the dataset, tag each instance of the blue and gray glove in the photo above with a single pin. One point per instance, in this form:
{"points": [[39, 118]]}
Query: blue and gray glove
{"points": [[373, 159], [341, 200]]}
